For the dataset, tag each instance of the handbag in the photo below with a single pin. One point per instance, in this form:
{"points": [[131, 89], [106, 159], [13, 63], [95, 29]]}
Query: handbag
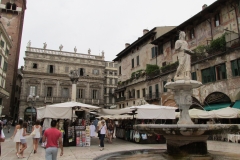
{"points": [[33, 133]]}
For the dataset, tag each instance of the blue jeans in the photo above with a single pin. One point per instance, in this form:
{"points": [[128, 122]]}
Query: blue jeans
{"points": [[51, 153], [40, 141], [102, 136]]}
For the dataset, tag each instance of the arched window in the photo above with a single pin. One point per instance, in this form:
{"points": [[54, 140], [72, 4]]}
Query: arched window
{"points": [[8, 5], [30, 114], [14, 6]]}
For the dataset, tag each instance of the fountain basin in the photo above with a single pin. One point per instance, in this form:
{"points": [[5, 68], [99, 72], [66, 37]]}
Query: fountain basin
{"points": [[184, 139]]}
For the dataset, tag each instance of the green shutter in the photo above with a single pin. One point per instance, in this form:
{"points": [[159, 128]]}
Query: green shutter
{"points": [[233, 64], [212, 74], [77, 93], [223, 71]]}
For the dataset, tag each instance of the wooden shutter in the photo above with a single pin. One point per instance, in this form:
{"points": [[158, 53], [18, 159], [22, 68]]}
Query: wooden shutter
{"points": [[53, 69], [223, 71], [212, 74], [48, 68]]}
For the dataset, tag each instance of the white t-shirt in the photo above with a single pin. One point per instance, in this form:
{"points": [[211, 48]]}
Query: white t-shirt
{"points": [[103, 130], [2, 134]]}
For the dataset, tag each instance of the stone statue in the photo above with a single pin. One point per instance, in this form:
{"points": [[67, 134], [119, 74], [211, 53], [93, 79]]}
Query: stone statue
{"points": [[75, 49], [184, 68], [44, 45], [89, 51], [73, 75], [29, 43], [61, 47], [102, 53]]}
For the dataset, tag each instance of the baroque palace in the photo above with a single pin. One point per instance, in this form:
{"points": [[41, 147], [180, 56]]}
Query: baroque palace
{"points": [[46, 74], [150, 62]]}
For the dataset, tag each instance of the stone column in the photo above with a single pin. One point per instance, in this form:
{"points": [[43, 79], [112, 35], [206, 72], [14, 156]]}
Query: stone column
{"points": [[74, 76]]}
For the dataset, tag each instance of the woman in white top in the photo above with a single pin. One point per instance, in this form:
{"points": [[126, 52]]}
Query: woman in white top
{"points": [[38, 133], [92, 130], [23, 133], [16, 134], [1, 135], [103, 132]]}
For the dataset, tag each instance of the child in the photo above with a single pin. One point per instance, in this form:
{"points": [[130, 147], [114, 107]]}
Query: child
{"points": [[23, 133]]}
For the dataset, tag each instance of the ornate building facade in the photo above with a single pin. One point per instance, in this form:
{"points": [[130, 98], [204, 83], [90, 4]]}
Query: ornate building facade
{"points": [[12, 18], [213, 34], [46, 74]]}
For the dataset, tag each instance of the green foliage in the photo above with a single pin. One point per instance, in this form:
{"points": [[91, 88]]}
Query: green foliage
{"points": [[218, 44], [151, 68], [170, 67]]}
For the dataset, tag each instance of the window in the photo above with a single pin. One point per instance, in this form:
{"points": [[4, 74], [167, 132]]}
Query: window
{"points": [[81, 71], [132, 63], [80, 93], [221, 72], [235, 67], [95, 71], [164, 89], [217, 20], [5, 65], [208, 75], [34, 65], [192, 34], [94, 94], [150, 91], [33, 90], [157, 90], [160, 49], [65, 92], [138, 61], [49, 91], [138, 93], [194, 76], [2, 43], [50, 68], [133, 93], [164, 64], [143, 92], [154, 51], [172, 43], [6, 52], [66, 69], [110, 80], [105, 90], [119, 70]]}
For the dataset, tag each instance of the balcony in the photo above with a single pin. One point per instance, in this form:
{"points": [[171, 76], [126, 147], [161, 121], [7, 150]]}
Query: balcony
{"points": [[120, 99], [152, 96]]}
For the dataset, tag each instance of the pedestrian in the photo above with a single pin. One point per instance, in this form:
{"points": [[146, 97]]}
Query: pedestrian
{"points": [[99, 126], [103, 132], [2, 136], [110, 130], [53, 137], [95, 123], [23, 133], [38, 133], [9, 123], [92, 130], [4, 123], [16, 134]]}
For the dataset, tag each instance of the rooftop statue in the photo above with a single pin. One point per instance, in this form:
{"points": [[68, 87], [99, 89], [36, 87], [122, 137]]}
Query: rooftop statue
{"points": [[44, 45], [61, 47], [75, 49], [89, 51], [102, 53], [184, 68], [29, 43]]}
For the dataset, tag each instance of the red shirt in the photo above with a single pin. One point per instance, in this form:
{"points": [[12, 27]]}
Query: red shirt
{"points": [[52, 135]]}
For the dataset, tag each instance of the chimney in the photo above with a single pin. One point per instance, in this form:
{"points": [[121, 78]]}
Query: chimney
{"points": [[127, 44], [145, 31], [204, 6]]}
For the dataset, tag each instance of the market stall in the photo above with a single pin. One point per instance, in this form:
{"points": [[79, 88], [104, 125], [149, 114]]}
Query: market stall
{"points": [[73, 121]]}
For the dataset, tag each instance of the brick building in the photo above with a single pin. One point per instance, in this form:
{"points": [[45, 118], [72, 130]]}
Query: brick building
{"points": [[12, 17]]}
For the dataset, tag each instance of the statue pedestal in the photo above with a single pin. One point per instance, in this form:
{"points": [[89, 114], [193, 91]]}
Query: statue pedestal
{"points": [[183, 97]]}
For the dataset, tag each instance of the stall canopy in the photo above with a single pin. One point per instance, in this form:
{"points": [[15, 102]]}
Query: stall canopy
{"points": [[40, 112], [227, 112], [64, 110], [150, 111], [211, 107], [237, 104]]}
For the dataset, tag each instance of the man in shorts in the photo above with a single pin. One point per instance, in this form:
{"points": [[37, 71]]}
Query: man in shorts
{"points": [[53, 137]]}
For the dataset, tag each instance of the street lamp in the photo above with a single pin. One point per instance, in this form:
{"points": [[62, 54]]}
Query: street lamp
{"points": [[32, 99]]}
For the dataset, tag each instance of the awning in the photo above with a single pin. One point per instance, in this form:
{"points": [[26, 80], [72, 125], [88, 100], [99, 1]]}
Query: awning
{"points": [[236, 104], [211, 107]]}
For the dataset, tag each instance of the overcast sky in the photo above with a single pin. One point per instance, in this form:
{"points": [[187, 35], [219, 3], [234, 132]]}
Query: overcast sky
{"points": [[101, 25]]}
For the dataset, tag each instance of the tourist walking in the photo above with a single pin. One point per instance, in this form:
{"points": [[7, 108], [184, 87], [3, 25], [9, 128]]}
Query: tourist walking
{"points": [[110, 130], [99, 126], [23, 133], [53, 137], [16, 134], [38, 133], [9, 123], [2, 136], [103, 132]]}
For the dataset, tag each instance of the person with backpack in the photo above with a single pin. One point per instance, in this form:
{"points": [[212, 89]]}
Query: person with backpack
{"points": [[110, 130]]}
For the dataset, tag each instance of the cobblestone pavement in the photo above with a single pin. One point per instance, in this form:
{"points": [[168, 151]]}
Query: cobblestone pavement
{"points": [[88, 153]]}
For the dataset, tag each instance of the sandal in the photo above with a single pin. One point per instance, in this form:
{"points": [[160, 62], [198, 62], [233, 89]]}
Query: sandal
{"points": [[101, 149], [18, 155]]}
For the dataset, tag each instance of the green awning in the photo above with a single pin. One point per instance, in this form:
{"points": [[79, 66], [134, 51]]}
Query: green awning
{"points": [[236, 104], [216, 106]]}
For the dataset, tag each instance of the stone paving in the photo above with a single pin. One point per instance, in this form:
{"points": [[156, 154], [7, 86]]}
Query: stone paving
{"points": [[88, 153]]}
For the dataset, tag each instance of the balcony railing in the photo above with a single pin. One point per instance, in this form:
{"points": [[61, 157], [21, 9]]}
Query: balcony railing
{"points": [[120, 99], [152, 96]]}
